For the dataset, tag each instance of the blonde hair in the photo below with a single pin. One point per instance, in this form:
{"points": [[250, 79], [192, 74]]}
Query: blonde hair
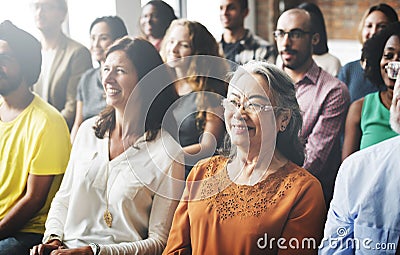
{"points": [[202, 43]]}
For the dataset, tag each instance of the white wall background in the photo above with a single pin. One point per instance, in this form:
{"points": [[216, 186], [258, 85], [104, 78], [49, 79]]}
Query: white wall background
{"points": [[83, 12]]}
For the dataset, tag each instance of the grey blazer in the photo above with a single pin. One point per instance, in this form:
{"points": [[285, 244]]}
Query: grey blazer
{"points": [[71, 60]]}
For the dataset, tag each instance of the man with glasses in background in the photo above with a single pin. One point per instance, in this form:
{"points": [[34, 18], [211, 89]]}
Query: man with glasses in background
{"points": [[323, 99], [64, 60]]}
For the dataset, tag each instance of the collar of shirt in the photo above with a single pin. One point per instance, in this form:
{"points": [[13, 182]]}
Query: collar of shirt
{"points": [[244, 42], [311, 76]]}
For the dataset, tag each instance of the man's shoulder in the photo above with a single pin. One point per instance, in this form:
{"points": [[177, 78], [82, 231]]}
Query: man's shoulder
{"points": [[331, 82], [90, 73], [378, 154], [73, 46], [352, 64], [370, 173], [262, 42], [257, 48], [253, 39], [72, 43], [45, 113]]}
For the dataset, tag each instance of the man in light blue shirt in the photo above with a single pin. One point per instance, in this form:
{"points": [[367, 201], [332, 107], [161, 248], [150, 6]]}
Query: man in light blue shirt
{"points": [[364, 215]]}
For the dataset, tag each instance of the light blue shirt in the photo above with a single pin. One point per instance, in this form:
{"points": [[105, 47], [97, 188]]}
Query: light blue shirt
{"points": [[364, 215]]}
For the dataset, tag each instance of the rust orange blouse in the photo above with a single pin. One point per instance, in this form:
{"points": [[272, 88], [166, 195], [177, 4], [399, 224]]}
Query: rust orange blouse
{"points": [[283, 214]]}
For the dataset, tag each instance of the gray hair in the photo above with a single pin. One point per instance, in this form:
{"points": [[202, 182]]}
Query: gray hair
{"points": [[283, 95]]}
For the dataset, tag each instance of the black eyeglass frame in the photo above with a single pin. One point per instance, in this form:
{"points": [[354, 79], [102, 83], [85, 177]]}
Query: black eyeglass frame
{"points": [[293, 34]]}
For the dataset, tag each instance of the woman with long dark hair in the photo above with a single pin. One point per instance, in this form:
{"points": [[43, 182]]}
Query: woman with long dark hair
{"points": [[118, 194]]}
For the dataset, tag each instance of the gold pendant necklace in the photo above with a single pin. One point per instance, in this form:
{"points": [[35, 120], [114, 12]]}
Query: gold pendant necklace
{"points": [[107, 215], [107, 218]]}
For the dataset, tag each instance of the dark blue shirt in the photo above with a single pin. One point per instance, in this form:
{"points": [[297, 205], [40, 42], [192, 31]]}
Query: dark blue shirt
{"points": [[352, 74]]}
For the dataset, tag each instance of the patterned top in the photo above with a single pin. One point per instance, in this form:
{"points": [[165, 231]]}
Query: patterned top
{"points": [[223, 217], [324, 101], [250, 47]]}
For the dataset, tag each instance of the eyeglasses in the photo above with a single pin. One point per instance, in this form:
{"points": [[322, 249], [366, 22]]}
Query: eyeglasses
{"points": [[249, 107], [293, 34]]}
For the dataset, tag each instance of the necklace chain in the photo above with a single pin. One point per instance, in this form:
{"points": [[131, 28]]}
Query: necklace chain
{"points": [[107, 215]]}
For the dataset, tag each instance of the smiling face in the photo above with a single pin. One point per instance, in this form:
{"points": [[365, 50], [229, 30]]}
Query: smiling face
{"points": [[391, 53], [100, 39], [231, 14], [178, 46], [150, 22], [296, 53], [374, 22], [119, 79], [248, 130]]}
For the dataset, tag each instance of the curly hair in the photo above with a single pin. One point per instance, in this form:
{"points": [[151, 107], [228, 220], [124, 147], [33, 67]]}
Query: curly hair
{"points": [[372, 53]]}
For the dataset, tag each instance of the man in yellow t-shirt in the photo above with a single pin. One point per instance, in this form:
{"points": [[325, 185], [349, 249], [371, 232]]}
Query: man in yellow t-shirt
{"points": [[34, 144]]}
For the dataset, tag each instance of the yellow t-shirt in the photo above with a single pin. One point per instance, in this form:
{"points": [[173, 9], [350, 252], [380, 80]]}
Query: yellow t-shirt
{"points": [[36, 142]]}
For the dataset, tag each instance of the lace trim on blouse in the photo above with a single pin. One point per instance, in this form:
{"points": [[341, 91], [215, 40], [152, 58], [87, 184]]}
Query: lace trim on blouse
{"points": [[233, 200]]}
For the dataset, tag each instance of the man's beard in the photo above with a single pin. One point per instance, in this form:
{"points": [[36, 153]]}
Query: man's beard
{"points": [[11, 84]]}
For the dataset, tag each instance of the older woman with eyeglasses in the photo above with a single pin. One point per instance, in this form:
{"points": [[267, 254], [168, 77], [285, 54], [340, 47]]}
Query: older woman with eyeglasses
{"points": [[257, 200]]}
